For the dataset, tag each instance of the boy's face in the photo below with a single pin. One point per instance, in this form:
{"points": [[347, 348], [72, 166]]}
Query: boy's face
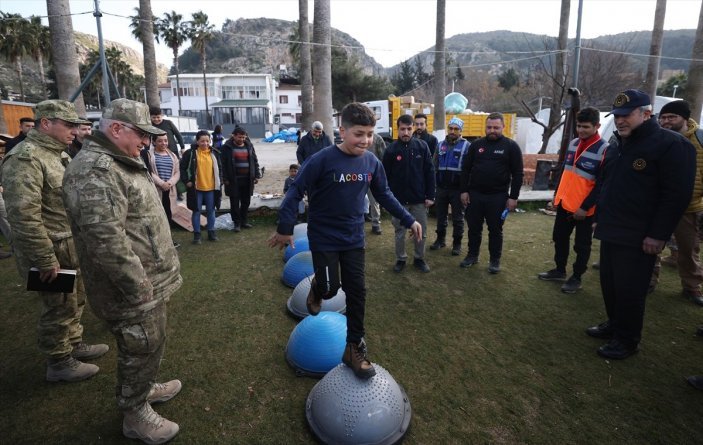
{"points": [[292, 172], [356, 139], [156, 119]]}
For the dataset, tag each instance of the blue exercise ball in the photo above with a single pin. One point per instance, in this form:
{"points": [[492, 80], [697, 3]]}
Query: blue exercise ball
{"points": [[317, 343], [343, 409], [300, 231], [297, 300], [297, 268], [301, 245]]}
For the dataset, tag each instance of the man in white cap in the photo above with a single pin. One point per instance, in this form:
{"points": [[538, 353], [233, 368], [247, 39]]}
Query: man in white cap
{"points": [[314, 141], [447, 161]]}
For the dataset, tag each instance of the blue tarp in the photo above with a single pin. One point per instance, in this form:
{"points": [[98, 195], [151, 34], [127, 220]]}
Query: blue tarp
{"points": [[289, 135]]}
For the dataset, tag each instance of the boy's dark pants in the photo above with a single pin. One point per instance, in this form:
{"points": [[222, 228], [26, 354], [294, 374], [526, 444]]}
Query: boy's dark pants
{"points": [[327, 267], [564, 225]]}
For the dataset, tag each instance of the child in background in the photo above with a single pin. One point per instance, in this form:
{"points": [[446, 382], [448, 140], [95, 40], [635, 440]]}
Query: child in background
{"points": [[336, 180], [292, 172]]}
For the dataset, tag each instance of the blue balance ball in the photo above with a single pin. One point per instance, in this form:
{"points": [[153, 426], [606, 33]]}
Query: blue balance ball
{"points": [[297, 268], [317, 343], [300, 231], [301, 245]]}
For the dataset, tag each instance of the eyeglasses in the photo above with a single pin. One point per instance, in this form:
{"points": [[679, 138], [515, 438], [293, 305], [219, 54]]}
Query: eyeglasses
{"points": [[668, 117], [141, 134]]}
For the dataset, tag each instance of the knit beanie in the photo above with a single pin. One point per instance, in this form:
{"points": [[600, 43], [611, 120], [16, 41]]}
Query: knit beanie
{"points": [[678, 107]]}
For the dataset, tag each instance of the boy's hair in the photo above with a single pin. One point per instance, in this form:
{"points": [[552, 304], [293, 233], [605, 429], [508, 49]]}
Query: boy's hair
{"points": [[200, 134], [496, 115], [421, 116], [405, 119], [293, 167], [357, 113], [154, 111], [588, 115], [239, 130], [156, 136]]}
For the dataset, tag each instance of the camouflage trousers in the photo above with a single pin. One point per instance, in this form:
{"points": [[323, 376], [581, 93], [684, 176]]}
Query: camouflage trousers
{"points": [[140, 346], [60, 321]]}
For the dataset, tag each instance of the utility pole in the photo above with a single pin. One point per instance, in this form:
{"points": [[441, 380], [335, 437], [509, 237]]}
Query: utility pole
{"points": [[101, 48]]}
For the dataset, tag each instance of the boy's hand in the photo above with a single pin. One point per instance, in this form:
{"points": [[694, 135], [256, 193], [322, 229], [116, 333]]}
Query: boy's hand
{"points": [[416, 231], [281, 241]]}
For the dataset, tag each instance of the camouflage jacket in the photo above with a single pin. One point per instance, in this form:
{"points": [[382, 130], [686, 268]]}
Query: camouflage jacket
{"points": [[121, 232], [32, 173]]}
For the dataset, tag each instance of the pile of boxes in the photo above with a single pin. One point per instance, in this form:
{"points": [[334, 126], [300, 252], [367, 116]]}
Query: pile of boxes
{"points": [[410, 107]]}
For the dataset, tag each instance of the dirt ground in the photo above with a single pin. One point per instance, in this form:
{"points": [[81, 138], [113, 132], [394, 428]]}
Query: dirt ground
{"points": [[275, 158]]}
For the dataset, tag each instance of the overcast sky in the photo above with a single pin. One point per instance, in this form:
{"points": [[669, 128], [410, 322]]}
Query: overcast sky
{"points": [[390, 30]]}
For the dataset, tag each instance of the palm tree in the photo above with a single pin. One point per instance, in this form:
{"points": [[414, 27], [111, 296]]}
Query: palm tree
{"points": [[174, 32], [142, 24], [16, 43], [200, 34], [63, 47], [695, 71], [322, 55], [305, 71], [440, 68], [40, 45]]}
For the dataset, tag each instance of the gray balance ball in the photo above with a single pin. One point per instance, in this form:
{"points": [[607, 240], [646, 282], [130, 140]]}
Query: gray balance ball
{"points": [[346, 410], [296, 302]]}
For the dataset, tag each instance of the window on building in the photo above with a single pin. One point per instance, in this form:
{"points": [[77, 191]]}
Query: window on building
{"points": [[282, 99]]}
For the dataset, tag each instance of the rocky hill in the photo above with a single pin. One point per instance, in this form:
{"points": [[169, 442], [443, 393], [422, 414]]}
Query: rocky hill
{"points": [[261, 46], [84, 43], [490, 50]]}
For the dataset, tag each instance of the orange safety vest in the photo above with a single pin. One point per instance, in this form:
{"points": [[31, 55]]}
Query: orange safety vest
{"points": [[579, 176]]}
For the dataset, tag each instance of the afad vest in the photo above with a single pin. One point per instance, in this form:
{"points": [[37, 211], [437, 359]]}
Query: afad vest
{"points": [[451, 160], [579, 176]]}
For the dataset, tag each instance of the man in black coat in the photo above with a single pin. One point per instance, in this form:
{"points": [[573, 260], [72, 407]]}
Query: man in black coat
{"points": [[240, 169], [314, 141], [647, 182]]}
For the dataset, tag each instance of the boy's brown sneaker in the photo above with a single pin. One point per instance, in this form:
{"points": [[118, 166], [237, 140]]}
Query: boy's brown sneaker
{"points": [[313, 303], [69, 369], [163, 392], [355, 357], [147, 425]]}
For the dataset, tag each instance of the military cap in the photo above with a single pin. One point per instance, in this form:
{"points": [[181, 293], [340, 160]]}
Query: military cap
{"points": [[58, 109], [131, 112], [628, 100]]}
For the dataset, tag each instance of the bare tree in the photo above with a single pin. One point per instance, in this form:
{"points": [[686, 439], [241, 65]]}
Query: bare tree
{"points": [[63, 45], [695, 71], [322, 68], [559, 81], [146, 31], [440, 68], [601, 75], [655, 50], [305, 68]]}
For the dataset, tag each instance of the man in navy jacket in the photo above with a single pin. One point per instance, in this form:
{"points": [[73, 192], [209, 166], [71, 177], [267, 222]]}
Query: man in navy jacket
{"points": [[647, 183], [410, 172]]}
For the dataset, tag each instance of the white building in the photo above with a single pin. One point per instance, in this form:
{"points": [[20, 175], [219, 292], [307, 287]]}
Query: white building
{"points": [[247, 100], [289, 103]]}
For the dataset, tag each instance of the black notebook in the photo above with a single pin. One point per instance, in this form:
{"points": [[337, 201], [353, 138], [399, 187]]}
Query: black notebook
{"points": [[64, 282]]}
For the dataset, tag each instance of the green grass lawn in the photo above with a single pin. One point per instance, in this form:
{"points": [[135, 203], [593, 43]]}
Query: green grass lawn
{"points": [[483, 358]]}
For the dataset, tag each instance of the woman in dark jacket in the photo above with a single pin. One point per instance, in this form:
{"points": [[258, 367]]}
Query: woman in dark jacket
{"points": [[202, 174], [240, 170]]}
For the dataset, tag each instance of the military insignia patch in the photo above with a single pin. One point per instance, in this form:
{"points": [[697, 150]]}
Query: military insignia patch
{"points": [[639, 164], [620, 100]]}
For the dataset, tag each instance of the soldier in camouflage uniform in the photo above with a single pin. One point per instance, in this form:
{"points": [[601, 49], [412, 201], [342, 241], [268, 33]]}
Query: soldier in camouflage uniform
{"points": [[31, 177], [128, 260]]}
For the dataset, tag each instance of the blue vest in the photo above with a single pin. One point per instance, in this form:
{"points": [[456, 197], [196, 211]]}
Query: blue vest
{"points": [[449, 161]]}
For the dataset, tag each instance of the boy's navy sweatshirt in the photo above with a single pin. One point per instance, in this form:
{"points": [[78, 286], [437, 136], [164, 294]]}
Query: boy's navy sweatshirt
{"points": [[336, 184]]}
